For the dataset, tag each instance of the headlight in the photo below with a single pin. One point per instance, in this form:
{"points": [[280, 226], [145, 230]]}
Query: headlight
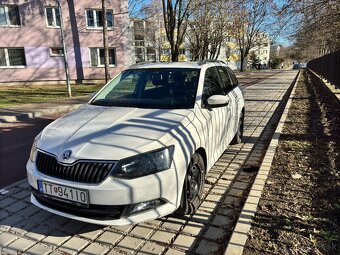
{"points": [[33, 153], [144, 164]]}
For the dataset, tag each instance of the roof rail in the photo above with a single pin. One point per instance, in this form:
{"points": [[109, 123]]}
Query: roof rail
{"points": [[210, 61], [144, 62]]}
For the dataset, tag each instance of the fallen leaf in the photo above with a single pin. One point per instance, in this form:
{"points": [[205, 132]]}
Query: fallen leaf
{"points": [[296, 176]]}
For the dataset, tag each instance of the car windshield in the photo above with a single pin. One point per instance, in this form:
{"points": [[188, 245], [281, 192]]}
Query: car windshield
{"points": [[161, 88]]}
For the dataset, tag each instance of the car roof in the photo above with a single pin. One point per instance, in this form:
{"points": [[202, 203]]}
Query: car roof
{"points": [[186, 64]]}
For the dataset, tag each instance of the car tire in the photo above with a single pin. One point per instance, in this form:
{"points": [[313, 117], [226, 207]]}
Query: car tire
{"points": [[239, 134], [193, 187]]}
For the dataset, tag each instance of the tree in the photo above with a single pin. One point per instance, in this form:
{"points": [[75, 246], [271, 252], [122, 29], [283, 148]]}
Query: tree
{"points": [[208, 25], [249, 18], [316, 27], [176, 14], [105, 44]]}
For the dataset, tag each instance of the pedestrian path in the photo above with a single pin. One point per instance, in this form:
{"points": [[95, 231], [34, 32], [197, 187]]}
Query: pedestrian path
{"points": [[28, 111], [26, 228]]}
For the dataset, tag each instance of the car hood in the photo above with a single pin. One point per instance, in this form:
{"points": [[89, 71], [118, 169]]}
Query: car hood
{"points": [[111, 133]]}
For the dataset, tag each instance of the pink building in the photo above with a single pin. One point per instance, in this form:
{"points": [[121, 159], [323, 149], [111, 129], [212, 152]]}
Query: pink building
{"points": [[31, 46]]}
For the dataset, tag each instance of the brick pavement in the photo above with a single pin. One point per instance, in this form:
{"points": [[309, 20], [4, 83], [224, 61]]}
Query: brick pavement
{"points": [[27, 229]]}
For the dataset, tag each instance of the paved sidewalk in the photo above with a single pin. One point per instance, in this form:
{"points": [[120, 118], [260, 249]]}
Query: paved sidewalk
{"points": [[26, 228], [27, 111]]}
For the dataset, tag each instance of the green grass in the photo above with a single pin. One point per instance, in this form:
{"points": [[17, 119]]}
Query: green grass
{"points": [[16, 95]]}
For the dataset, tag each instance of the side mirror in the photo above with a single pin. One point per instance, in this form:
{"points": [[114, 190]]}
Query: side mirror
{"points": [[218, 101]]}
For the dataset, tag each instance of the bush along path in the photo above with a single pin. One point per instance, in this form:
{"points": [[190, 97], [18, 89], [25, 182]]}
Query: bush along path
{"points": [[299, 211]]}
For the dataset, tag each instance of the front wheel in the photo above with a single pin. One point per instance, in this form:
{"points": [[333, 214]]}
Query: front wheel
{"points": [[193, 187], [239, 135]]}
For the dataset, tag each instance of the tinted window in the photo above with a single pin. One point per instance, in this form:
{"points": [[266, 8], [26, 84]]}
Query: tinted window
{"points": [[233, 77], [159, 88], [212, 84], [227, 83]]}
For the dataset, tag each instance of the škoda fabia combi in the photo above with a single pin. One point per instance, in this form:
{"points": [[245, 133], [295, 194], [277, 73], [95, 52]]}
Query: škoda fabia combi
{"points": [[140, 149]]}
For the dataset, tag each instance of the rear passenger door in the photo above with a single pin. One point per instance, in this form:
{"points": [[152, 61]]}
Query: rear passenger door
{"points": [[229, 90], [217, 117]]}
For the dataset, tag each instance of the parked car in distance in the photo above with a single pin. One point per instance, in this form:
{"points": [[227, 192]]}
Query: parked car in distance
{"points": [[296, 66], [140, 149]]}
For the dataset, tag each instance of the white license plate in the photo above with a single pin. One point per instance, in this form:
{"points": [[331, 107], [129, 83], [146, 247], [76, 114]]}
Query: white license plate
{"points": [[64, 192]]}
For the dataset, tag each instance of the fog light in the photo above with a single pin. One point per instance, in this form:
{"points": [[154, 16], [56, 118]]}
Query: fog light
{"points": [[144, 206]]}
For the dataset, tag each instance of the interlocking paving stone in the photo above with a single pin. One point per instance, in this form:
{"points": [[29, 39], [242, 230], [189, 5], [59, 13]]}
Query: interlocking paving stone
{"points": [[129, 244], [95, 248], [109, 238], [162, 236], [38, 249], [55, 238], [74, 245], [17, 206], [6, 202], [151, 248], [142, 231], [174, 252], [20, 244], [6, 238], [203, 231], [91, 231], [184, 242]]}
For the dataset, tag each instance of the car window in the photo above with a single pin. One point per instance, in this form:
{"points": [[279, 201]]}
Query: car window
{"points": [[227, 83], [159, 88], [212, 85], [233, 77]]}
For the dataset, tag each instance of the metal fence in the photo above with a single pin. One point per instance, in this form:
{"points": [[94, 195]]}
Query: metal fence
{"points": [[327, 66]]}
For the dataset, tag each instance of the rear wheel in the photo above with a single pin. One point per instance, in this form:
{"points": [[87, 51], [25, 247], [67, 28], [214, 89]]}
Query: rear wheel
{"points": [[193, 186], [239, 135]]}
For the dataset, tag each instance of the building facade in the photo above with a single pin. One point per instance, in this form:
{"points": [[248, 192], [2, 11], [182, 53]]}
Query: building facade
{"points": [[31, 45], [261, 50]]}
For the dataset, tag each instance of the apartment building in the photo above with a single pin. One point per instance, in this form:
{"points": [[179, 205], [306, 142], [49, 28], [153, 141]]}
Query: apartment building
{"points": [[150, 43], [31, 45], [261, 49]]}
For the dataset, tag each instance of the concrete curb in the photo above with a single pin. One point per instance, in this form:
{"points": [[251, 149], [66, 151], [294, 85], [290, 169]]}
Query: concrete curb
{"points": [[240, 233]]}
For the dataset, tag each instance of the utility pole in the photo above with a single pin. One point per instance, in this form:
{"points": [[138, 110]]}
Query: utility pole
{"points": [[65, 52], [106, 48]]}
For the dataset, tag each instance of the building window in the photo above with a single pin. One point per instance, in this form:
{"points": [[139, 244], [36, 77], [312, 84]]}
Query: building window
{"points": [[166, 51], [56, 52], [9, 15], [139, 55], [151, 54], [52, 16], [182, 51], [12, 57], [97, 57], [94, 18]]}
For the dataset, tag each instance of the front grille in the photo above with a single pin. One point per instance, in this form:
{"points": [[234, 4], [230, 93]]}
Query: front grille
{"points": [[85, 172], [96, 212]]}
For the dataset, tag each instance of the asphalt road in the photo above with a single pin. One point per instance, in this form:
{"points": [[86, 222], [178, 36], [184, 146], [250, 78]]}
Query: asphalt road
{"points": [[16, 138]]}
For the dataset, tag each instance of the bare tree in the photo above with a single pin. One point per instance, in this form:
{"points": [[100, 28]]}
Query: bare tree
{"points": [[176, 14], [208, 27], [249, 18], [316, 27]]}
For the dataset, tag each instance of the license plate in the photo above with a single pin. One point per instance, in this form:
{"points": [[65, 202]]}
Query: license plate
{"points": [[64, 192]]}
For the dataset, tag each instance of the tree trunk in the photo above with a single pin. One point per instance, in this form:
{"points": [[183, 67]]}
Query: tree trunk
{"points": [[106, 48]]}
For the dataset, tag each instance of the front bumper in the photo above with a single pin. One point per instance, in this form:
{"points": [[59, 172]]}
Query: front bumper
{"points": [[109, 199]]}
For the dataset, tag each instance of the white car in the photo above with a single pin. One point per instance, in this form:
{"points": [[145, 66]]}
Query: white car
{"points": [[140, 149]]}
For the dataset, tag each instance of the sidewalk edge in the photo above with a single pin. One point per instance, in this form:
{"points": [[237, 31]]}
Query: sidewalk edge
{"points": [[243, 225]]}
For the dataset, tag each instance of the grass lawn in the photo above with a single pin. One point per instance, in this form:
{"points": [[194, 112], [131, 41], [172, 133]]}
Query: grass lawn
{"points": [[14, 95]]}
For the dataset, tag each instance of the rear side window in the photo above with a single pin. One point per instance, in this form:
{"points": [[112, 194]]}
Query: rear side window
{"points": [[212, 85], [233, 77], [227, 82]]}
